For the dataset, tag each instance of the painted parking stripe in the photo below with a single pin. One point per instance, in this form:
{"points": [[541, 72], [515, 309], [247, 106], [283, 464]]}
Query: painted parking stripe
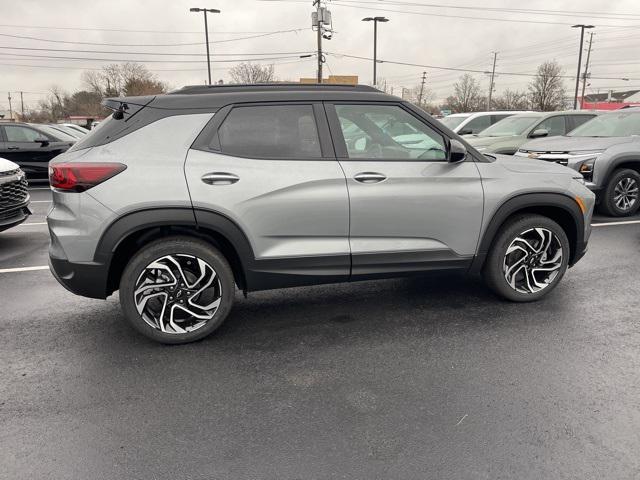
{"points": [[39, 188], [41, 201], [612, 224], [24, 269], [29, 224]]}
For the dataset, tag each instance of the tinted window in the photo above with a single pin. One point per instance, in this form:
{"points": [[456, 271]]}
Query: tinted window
{"points": [[17, 133], [574, 121], [278, 131], [554, 125], [453, 121], [476, 125], [388, 132], [497, 118]]}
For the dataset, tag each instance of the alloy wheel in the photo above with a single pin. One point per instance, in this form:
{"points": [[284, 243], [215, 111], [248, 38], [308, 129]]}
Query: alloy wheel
{"points": [[533, 260], [177, 293], [625, 193]]}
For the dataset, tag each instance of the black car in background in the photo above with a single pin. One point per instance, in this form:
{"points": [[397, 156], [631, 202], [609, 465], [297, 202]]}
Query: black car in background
{"points": [[32, 146]]}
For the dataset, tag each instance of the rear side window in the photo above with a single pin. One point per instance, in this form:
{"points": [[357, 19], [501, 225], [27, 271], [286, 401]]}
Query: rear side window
{"points": [[270, 131], [574, 121]]}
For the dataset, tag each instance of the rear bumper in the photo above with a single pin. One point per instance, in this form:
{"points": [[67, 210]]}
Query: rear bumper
{"points": [[85, 279], [14, 216]]}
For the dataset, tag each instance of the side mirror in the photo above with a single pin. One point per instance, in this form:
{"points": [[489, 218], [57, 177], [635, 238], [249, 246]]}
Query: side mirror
{"points": [[539, 132], [457, 151], [465, 131], [42, 141]]}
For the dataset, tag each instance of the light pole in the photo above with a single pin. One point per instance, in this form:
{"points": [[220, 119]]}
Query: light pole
{"points": [[582, 29], [375, 21], [206, 33]]}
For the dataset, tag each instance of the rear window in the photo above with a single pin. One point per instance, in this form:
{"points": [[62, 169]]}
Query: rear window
{"points": [[270, 131]]}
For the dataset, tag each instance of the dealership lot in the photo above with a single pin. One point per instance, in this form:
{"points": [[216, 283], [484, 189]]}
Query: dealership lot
{"points": [[409, 378]]}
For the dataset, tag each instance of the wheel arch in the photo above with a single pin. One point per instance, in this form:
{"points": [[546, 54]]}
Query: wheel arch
{"points": [[562, 209], [631, 162], [125, 236]]}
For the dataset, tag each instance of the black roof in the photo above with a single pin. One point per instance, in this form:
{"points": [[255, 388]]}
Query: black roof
{"points": [[204, 97]]}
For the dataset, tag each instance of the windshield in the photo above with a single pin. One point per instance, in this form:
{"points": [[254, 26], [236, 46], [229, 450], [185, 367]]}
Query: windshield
{"points": [[610, 125], [509, 127], [55, 133], [453, 122]]}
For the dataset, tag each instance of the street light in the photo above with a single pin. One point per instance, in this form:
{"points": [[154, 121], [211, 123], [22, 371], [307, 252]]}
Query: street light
{"points": [[582, 29], [375, 21], [206, 33]]}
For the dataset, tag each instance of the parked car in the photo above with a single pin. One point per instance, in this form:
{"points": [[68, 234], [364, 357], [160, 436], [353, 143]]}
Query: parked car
{"points": [[255, 186], [14, 196], [508, 135], [471, 123], [32, 146], [606, 151]]}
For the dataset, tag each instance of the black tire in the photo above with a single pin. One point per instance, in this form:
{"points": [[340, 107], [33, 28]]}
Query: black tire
{"points": [[607, 202], [494, 271], [179, 247]]}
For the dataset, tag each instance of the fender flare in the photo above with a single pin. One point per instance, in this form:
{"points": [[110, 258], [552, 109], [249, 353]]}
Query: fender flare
{"points": [[524, 201]]}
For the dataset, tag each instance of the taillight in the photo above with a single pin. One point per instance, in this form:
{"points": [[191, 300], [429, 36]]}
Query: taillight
{"points": [[78, 177]]}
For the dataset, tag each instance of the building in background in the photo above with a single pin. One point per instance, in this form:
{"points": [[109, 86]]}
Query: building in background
{"points": [[611, 100]]}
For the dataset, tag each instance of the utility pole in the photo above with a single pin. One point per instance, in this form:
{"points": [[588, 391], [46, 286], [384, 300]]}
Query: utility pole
{"points": [[206, 33], [582, 28], [493, 74], [22, 105], [424, 79], [586, 71], [319, 27], [10, 109]]}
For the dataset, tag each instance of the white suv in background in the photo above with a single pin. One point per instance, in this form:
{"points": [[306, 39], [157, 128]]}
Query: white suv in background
{"points": [[468, 123]]}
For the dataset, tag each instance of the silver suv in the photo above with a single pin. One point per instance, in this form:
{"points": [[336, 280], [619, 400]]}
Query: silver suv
{"points": [[178, 198]]}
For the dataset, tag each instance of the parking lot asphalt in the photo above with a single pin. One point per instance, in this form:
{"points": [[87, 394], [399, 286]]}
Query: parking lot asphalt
{"points": [[410, 378]]}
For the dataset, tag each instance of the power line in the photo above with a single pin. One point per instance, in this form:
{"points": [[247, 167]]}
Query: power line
{"points": [[40, 39], [131, 60], [163, 54], [96, 29]]}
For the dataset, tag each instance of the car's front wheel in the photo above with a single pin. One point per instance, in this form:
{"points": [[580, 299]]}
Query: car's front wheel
{"points": [[621, 197], [177, 290], [529, 256]]}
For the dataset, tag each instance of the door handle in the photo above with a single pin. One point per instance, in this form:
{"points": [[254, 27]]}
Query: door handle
{"points": [[13, 148], [369, 177], [220, 178]]}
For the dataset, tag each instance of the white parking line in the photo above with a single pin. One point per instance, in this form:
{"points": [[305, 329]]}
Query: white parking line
{"points": [[24, 269], [612, 224], [29, 224], [39, 188], [41, 201]]}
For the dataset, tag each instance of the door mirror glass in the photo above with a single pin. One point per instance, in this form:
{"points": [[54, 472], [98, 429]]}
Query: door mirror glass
{"points": [[539, 132], [457, 152], [42, 141]]}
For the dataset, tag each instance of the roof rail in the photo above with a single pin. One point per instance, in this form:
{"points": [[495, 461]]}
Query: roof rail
{"points": [[258, 87]]}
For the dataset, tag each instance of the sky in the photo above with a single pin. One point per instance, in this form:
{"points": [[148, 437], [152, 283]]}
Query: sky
{"points": [[430, 34]]}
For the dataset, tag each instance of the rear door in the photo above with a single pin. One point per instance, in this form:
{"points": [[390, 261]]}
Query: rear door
{"points": [[271, 169], [411, 210]]}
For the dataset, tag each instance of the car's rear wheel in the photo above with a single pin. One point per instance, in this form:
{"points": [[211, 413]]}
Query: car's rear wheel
{"points": [[621, 197], [177, 290], [528, 258]]}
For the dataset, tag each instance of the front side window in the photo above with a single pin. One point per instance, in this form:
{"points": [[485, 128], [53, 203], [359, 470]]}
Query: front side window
{"points": [[476, 125], [17, 133], [388, 132], [554, 125], [509, 127], [270, 131]]}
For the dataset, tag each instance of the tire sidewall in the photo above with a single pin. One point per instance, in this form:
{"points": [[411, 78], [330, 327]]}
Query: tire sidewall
{"points": [[494, 274], [173, 246]]}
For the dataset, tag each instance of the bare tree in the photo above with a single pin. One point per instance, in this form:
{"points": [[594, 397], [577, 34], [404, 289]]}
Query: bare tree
{"points": [[511, 100], [123, 79], [252, 73], [467, 96], [546, 90]]}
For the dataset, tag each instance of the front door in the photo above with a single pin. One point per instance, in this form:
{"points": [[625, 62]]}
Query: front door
{"points": [[271, 169], [411, 210], [31, 149]]}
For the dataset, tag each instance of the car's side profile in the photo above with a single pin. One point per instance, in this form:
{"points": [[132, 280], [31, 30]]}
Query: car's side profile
{"points": [[32, 146], [178, 198]]}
